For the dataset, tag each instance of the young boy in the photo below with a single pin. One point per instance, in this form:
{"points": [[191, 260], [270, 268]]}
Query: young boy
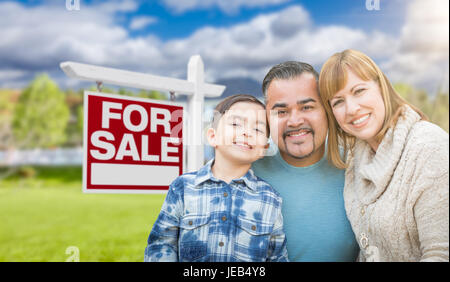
{"points": [[223, 212]]}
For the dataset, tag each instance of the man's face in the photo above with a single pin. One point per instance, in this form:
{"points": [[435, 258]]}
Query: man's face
{"points": [[297, 119]]}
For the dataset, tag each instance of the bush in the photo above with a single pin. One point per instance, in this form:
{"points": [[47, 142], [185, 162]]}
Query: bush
{"points": [[27, 172]]}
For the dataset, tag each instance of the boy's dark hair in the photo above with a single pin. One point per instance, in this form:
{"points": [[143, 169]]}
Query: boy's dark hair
{"points": [[226, 104], [287, 70]]}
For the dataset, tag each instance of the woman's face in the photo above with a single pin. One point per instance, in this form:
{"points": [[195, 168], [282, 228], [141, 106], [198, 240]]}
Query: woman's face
{"points": [[359, 108]]}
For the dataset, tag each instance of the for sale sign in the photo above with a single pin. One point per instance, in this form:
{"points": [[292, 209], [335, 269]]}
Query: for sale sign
{"points": [[131, 145]]}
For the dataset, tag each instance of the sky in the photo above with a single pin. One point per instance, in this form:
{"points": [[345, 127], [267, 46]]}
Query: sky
{"points": [[408, 39]]}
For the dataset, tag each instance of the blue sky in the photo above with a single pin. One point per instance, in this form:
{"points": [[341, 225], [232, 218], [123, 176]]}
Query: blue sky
{"points": [[236, 38], [323, 12], [170, 23]]}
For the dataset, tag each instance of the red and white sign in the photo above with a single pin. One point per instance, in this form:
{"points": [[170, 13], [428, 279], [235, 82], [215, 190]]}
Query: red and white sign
{"points": [[131, 145]]}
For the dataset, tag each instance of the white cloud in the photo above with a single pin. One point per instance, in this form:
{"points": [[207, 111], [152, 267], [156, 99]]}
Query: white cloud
{"points": [[266, 40], [11, 74], [43, 36], [227, 6], [426, 27], [289, 21], [142, 22], [114, 6], [422, 54]]}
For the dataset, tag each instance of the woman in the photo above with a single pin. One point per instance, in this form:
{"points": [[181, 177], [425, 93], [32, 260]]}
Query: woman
{"points": [[396, 181]]}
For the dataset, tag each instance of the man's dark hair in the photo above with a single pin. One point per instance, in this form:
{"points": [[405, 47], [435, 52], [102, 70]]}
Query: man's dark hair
{"points": [[226, 104], [287, 70]]}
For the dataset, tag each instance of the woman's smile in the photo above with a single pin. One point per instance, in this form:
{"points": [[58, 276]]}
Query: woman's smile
{"points": [[360, 121]]}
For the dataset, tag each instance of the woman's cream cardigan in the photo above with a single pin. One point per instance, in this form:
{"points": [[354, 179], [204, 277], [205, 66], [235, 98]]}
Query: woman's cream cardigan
{"points": [[397, 200]]}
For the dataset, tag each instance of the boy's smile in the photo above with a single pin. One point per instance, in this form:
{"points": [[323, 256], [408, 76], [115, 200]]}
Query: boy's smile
{"points": [[243, 145]]}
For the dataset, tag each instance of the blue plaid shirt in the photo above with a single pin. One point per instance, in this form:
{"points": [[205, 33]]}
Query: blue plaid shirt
{"points": [[205, 219]]}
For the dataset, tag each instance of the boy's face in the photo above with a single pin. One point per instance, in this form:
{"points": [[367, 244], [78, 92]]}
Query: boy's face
{"points": [[241, 134]]}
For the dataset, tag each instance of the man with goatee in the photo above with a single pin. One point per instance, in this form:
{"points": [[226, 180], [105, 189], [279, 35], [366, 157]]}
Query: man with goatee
{"points": [[315, 222]]}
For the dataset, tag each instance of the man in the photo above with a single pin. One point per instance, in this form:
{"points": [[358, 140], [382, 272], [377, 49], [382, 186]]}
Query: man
{"points": [[315, 222]]}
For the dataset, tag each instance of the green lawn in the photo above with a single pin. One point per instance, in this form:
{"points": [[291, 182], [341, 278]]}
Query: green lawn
{"points": [[40, 217]]}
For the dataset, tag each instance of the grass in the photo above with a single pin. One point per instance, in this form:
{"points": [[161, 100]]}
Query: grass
{"points": [[40, 217]]}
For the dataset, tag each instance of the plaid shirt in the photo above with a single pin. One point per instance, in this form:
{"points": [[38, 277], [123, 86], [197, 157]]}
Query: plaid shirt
{"points": [[206, 219]]}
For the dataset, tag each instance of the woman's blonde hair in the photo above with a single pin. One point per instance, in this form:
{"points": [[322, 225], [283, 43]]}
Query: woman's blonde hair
{"points": [[333, 78]]}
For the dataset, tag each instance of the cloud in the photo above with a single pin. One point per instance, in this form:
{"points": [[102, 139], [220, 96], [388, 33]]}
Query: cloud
{"points": [[11, 74], [44, 36], [422, 57], [114, 6], [227, 6], [252, 47], [142, 22], [290, 21], [426, 27]]}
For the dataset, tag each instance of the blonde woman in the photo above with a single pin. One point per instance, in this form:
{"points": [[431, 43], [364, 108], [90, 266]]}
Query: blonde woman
{"points": [[396, 182]]}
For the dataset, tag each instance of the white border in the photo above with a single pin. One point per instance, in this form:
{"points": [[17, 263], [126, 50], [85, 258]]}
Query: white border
{"points": [[85, 143]]}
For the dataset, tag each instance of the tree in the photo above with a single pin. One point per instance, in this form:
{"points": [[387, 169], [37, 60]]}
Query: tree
{"points": [[80, 119], [418, 98], [74, 100], [123, 91], [436, 109], [41, 115], [152, 94], [441, 110], [6, 110]]}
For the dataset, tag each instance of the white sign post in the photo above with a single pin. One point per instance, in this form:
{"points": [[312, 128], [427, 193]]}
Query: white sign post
{"points": [[195, 109], [194, 87]]}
